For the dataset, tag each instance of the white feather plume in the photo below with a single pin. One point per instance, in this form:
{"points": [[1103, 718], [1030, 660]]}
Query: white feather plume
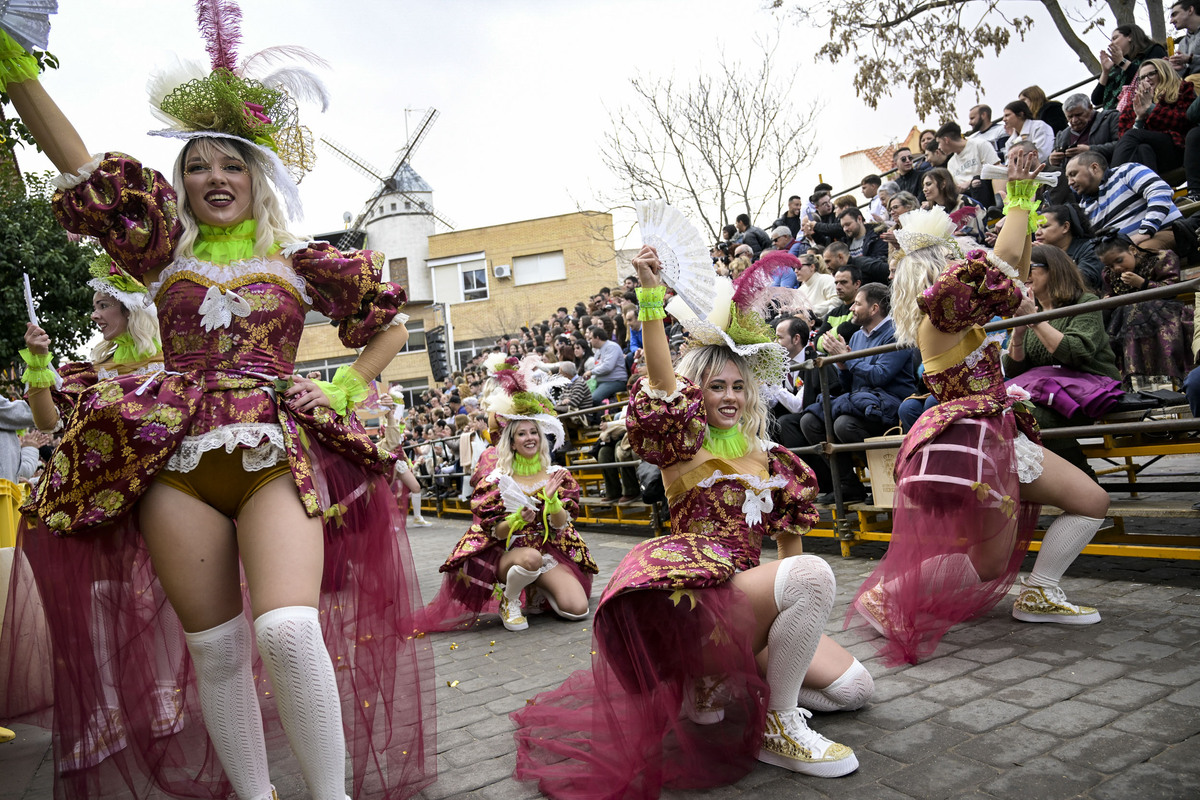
{"points": [[167, 79], [686, 264], [299, 83]]}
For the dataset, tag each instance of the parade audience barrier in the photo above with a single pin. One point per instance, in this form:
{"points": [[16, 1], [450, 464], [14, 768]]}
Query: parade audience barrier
{"points": [[11, 497]]}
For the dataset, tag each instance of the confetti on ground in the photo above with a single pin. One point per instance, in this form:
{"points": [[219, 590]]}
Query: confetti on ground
{"points": [[453, 646], [452, 684], [492, 643]]}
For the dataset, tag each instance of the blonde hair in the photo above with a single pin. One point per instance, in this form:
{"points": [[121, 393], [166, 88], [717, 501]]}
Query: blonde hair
{"points": [[1169, 83], [264, 206], [504, 448], [140, 323], [700, 362], [915, 273], [1035, 98]]}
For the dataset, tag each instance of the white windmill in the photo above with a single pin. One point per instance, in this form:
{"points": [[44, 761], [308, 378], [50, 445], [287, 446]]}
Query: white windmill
{"points": [[399, 216]]}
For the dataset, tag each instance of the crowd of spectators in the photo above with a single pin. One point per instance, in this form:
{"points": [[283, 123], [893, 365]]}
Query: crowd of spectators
{"points": [[1110, 226]]}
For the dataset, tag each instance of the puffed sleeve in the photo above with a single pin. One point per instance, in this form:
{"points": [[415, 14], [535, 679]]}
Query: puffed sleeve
{"points": [[486, 505], [795, 512], [347, 288], [665, 430], [968, 293], [77, 377], [130, 209], [1164, 272], [568, 493]]}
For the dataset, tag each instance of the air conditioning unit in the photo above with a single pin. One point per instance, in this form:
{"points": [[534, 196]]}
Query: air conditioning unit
{"points": [[502, 270]]}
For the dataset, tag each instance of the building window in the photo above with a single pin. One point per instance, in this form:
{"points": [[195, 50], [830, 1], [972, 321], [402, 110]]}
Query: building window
{"points": [[416, 336], [393, 206], [474, 281], [398, 271], [407, 205], [539, 268], [326, 367]]}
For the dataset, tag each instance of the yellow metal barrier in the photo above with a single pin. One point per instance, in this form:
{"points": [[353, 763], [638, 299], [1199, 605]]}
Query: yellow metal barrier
{"points": [[11, 497]]}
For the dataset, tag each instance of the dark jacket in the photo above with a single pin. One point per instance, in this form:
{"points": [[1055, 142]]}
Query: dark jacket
{"points": [[827, 231], [873, 263], [791, 223], [758, 240], [875, 385], [1052, 114], [912, 183], [1102, 135], [1106, 95], [1083, 252]]}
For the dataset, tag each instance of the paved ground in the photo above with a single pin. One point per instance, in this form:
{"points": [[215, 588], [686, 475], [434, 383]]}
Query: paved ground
{"points": [[1003, 710]]}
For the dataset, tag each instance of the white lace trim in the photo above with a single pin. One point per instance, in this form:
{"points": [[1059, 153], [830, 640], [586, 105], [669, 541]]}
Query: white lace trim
{"points": [[222, 275], [402, 467], [67, 180], [245, 435], [295, 247], [1029, 459], [661, 395], [399, 319], [146, 369], [758, 500], [975, 356], [498, 477], [1008, 269]]}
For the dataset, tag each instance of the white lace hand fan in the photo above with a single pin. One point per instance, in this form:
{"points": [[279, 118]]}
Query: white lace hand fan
{"points": [[28, 21], [514, 498], [686, 264]]}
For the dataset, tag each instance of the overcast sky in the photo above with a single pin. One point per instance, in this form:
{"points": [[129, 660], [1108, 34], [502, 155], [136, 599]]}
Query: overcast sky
{"points": [[522, 87]]}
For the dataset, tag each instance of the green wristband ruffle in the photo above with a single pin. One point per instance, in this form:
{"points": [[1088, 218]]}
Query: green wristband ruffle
{"points": [[346, 391], [553, 503], [651, 302], [515, 523], [16, 65], [38, 374], [1023, 195]]}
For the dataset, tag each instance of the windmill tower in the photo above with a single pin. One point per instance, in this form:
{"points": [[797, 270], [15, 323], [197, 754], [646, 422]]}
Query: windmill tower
{"points": [[399, 216]]}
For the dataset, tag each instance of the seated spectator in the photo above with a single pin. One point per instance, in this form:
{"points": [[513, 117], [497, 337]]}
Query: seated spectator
{"points": [[1066, 227], [934, 157], [984, 128], [874, 386], [1154, 126], [1152, 339], [967, 157], [1047, 111], [791, 218], [1185, 16], [876, 210], [815, 282], [609, 369], [867, 251], [743, 258], [1129, 198], [900, 204], [906, 177], [810, 206], [839, 323], [1128, 49], [788, 400], [1023, 127], [927, 136], [756, 238], [823, 227], [887, 190], [969, 217], [1077, 343], [1086, 130], [620, 484]]}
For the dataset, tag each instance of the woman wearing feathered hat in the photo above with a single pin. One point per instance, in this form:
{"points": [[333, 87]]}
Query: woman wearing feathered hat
{"points": [[688, 617], [221, 465], [522, 550], [971, 475]]}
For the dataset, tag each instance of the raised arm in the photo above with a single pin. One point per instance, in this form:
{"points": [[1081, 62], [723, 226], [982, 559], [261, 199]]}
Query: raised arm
{"points": [[49, 126], [1015, 243], [659, 369]]}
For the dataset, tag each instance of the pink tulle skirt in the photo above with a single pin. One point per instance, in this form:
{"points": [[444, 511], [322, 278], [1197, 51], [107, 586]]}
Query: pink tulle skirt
{"points": [[469, 593], [959, 534], [91, 648], [618, 730]]}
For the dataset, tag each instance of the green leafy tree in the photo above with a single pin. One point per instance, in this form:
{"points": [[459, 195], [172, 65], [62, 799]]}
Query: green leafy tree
{"points": [[932, 47], [32, 242]]}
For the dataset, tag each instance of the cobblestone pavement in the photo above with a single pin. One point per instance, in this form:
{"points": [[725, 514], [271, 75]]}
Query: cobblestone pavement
{"points": [[1002, 710]]}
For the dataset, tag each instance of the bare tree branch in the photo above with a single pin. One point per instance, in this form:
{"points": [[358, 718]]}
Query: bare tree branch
{"points": [[725, 144]]}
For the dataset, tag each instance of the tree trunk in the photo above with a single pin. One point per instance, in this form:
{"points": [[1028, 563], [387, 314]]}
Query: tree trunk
{"points": [[1123, 11], [1158, 21], [1086, 56]]}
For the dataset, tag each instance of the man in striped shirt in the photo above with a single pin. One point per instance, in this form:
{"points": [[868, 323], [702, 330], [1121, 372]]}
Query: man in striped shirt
{"points": [[1130, 198]]}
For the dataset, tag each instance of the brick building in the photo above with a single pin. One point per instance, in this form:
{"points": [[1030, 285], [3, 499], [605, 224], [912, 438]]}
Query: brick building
{"points": [[493, 280]]}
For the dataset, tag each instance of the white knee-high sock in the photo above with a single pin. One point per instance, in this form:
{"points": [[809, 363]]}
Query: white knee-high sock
{"points": [[852, 689], [306, 693], [804, 590], [230, 704], [416, 506], [517, 579], [943, 574], [1065, 539]]}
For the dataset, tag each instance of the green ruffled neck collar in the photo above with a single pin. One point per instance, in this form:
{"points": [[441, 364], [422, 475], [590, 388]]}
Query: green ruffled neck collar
{"points": [[127, 352], [226, 245], [526, 465], [726, 442]]}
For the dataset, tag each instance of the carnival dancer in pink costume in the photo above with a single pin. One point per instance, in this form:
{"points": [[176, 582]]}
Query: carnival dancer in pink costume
{"points": [[971, 475], [675, 697], [225, 471], [522, 549]]}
